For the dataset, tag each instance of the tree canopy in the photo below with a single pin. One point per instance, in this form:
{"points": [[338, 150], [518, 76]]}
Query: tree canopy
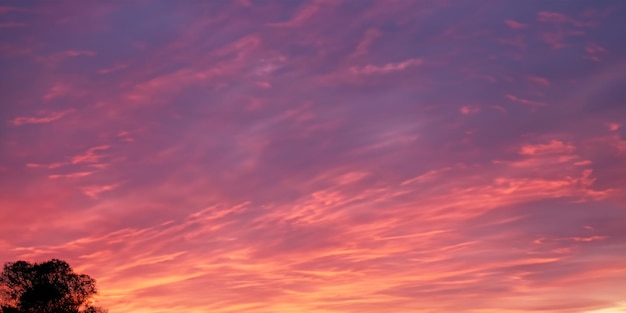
{"points": [[47, 287]]}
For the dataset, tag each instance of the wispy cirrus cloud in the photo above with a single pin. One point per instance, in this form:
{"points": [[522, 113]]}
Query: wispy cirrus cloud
{"points": [[71, 175], [92, 155], [41, 118], [304, 13], [368, 39], [523, 101], [386, 68], [95, 190]]}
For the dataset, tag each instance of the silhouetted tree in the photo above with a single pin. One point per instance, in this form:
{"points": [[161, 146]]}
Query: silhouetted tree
{"points": [[47, 287]]}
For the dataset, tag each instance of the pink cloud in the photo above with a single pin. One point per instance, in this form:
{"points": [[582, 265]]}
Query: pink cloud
{"points": [[613, 142], [365, 43], [265, 85], [524, 101], [114, 68], [559, 28], [305, 13], [239, 55], [125, 136], [43, 118], [554, 147], [351, 177], [90, 156], [560, 18], [16, 49], [95, 190], [556, 39], [539, 80], [553, 17], [50, 166], [57, 91], [467, 110], [515, 25], [387, 68], [71, 175], [589, 239], [77, 53], [57, 59], [516, 41], [594, 52]]}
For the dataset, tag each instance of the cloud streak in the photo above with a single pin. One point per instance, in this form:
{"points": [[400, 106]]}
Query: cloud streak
{"points": [[41, 118]]}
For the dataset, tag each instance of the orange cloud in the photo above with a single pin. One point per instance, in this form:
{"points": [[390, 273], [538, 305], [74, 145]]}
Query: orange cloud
{"points": [[554, 147]]}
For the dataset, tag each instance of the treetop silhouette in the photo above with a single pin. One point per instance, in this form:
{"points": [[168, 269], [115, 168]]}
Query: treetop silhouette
{"points": [[47, 287]]}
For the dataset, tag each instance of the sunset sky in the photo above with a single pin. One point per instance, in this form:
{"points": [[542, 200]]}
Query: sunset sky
{"points": [[322, 156]]}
